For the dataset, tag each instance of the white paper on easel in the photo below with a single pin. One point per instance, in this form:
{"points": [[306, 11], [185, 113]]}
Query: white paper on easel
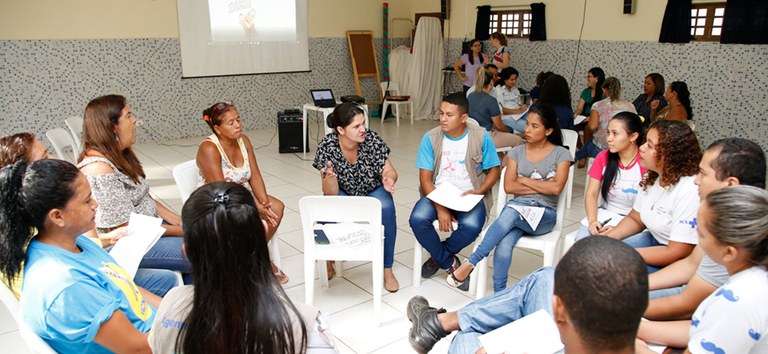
{"points": [[531, 214], [143, 233], [451, 197], [580, 118], [532, 334]]}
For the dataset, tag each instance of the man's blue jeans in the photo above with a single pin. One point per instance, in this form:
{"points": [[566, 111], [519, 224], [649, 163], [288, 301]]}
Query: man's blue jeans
{"points": [[442, 252], [504, 233], [388, 219], [530, 294], [515, 125]]}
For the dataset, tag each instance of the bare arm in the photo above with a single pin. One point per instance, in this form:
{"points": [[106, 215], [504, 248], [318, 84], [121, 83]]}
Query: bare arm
{"points": [[150, 298], [579, 108], [504, 60], [511, 183], [664, 255], [680, 306], [592, 125], [630, 225], [677, 273], [120, 336], [457, 68], [590, 204], [671, 333], [173, 226], [552, 186], [521, 109], [498, 125], [389, 176]]}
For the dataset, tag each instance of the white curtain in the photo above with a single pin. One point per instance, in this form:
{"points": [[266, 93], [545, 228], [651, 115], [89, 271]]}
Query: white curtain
{"points": [[423, 79], [399, 62]]}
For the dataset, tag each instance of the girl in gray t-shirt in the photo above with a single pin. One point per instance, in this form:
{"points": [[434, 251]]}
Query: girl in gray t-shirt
{"points": [[536, 173]]}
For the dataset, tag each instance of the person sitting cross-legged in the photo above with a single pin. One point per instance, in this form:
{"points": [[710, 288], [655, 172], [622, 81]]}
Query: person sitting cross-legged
{"points": [[465, 157], [589, 321]]}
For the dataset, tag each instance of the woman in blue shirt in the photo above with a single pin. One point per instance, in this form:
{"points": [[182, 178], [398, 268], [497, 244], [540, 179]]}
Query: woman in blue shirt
{"points": [[74, 295]]}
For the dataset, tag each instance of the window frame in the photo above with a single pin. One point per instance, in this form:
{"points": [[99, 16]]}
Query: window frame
{"points": [[496, 25], [709, 20]]}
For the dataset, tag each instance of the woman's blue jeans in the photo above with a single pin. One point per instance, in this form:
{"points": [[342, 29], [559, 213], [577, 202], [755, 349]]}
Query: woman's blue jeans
{"points": [[589, 149], [504, 233], [642, 240], [388, 219], [167, 254]]}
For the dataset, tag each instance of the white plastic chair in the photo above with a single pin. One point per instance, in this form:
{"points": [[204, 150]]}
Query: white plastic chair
{"points": [[392, 87], [75, 125], [185, 176], [570, 137], [546, 243], [342, 209], [34, 342], [61, 140]]}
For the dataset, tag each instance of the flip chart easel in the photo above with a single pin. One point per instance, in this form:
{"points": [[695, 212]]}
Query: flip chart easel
{"points": [[363, 55]]}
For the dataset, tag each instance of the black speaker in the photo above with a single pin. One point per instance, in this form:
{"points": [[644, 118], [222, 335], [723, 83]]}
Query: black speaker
{"points": [[289, 125], [445, 9], [629, 6]]}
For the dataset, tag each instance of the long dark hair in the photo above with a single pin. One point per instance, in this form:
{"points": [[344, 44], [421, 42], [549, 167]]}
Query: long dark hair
{"points": [[99, 121], [632, 124], [556, 91], [600, 75], [681, 88], [470, 54], [549, 120], [238, 306], [28, 193]]}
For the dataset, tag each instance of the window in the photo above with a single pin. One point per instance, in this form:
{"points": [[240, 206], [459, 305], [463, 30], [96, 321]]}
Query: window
{"points": [[707, 21], [514, 24]]}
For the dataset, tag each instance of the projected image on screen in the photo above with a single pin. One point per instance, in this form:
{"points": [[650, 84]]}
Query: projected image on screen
{"points": [[252, 20]]}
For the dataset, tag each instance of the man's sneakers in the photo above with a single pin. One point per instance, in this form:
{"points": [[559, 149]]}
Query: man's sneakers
{"points": [[426, 330]]}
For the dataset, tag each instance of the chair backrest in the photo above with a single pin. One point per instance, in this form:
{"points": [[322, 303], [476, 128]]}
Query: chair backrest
{"points": [[503, 197], [75, 125], [473, 122], [61, 140], [389, 86], [340, 209], [569, 140], [185, 176], [34, 342]]}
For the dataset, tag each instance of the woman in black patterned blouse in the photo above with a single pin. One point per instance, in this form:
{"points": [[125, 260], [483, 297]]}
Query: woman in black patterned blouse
{"points": [[354, 160]]}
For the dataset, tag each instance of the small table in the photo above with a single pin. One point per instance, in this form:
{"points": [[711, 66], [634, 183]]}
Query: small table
{"points": [[325, 111]]}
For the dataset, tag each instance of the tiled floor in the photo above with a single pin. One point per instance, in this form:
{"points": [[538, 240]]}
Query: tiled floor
{"points": [[348, 300]]}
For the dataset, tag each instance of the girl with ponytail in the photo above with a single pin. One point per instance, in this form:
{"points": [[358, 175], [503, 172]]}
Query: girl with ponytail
{"points": [[74, 296]]}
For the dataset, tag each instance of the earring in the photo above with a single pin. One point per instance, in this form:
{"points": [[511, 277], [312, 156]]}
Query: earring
{"points": [[117, 138]]}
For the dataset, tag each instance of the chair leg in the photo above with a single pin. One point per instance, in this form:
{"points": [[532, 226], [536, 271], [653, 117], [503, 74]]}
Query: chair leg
{"points": [[410, 110], [378, 284], [384, 111], [569, 189], [309, 280], [481, 275], [274, 251], [397, 114], [322, 274], [417, 264], [549, 254]]}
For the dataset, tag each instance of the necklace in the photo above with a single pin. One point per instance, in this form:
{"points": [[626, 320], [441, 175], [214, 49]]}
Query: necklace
{"points": [[623, 165]]}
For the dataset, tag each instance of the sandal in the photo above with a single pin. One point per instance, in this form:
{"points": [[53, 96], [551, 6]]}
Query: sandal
{"points": [[462, 284], [281, 277]]}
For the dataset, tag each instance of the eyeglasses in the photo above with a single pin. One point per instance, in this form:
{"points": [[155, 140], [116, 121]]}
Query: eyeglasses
{"points": [[216, 108]]}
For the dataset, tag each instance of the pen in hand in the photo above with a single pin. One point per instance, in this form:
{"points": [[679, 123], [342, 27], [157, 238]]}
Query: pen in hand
{"points": [[605, 222]]}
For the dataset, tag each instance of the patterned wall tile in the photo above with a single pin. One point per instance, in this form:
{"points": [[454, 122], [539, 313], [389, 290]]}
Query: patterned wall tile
{"points": [[44, 81]]}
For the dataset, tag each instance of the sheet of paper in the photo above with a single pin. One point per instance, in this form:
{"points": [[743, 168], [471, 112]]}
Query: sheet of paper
{"points": [[531, 214], [357, 236], [517, 117], [603, 215], [580, 118], [450, 197], [143, 233], [533, 334]]}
